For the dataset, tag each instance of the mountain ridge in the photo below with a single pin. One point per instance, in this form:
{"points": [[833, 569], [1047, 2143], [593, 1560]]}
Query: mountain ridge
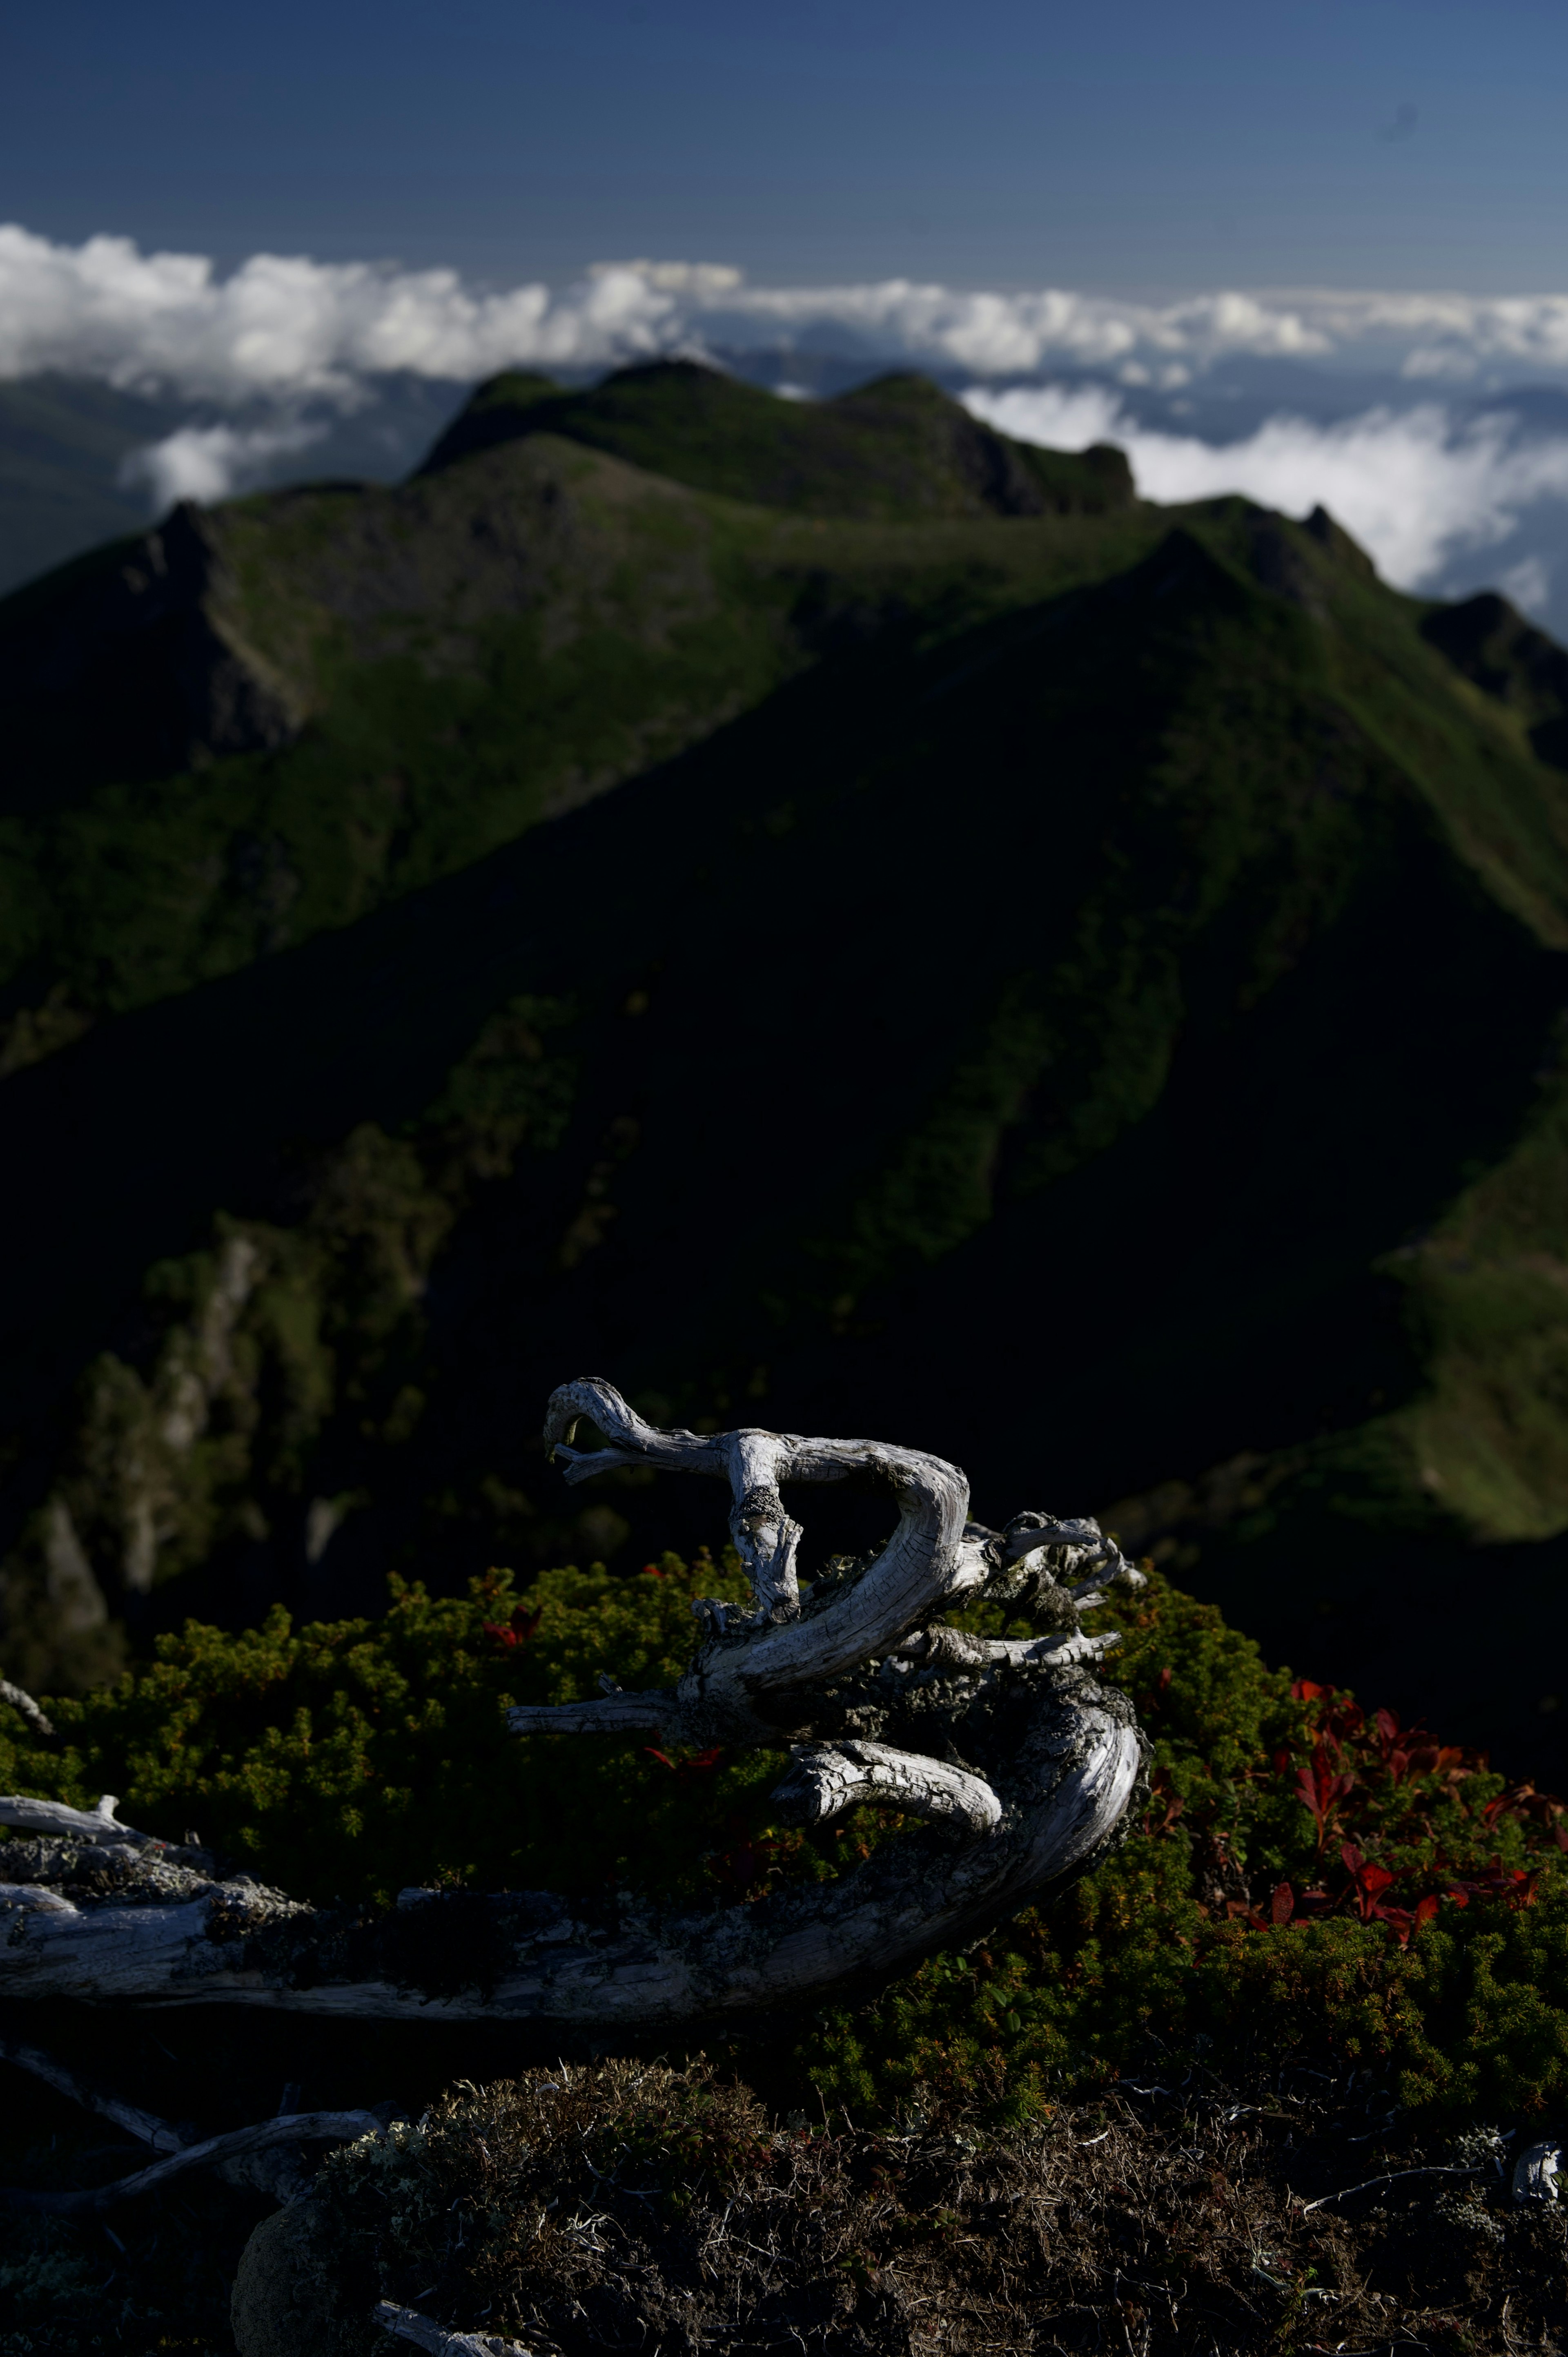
{"points": [[1032, 1019], [894, 449]]}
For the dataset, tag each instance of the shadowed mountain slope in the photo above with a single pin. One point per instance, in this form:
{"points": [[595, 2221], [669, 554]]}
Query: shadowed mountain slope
{"points": [[1078, 993], [270, 716]]}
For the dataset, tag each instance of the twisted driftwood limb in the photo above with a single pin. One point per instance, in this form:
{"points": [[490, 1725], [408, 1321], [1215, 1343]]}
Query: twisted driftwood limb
{"points": [[1020, 1763], [264, 2157]]}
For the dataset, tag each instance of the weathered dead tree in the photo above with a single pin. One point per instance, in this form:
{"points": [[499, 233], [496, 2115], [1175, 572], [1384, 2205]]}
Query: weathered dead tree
{"points": [[1019, 1762]]}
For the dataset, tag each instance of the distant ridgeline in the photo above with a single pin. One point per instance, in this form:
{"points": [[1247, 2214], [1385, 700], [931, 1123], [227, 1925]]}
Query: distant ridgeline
{"points": [[819, 913]]}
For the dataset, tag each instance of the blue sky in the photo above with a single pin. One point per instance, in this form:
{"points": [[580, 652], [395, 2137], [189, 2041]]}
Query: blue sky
{"points": [[1307, 249], [1135, 146]]}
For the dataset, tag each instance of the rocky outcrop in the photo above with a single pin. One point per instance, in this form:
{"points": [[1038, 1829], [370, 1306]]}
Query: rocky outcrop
{"points": [[1492, 645], [139, 670]]}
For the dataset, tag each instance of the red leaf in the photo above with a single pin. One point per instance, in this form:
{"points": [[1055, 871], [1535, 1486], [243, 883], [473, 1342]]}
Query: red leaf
{"points": [[519, 1628], [699, 1762], [1164, 1681], [1281, 1905], [1304, 1690]]}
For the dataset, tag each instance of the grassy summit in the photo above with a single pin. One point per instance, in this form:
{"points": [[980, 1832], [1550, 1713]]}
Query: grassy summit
{"points": [[761, 901], [268, 718], [896, 451]]}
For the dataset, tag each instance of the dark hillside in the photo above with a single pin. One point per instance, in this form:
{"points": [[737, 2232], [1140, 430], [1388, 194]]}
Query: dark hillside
{"points": [[1078, 992], [270, 716], [1508, 658]]}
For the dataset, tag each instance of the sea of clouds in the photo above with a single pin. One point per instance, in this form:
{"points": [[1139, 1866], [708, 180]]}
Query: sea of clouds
{"points": [[1437, 473], [1416, 487]]}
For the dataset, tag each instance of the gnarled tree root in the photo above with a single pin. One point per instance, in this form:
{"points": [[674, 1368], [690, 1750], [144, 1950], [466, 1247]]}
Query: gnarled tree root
{"points": [[1022, 1765]]}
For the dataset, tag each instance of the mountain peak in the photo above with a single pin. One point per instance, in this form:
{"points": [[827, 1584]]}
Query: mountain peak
{"points": [[898, 449]]}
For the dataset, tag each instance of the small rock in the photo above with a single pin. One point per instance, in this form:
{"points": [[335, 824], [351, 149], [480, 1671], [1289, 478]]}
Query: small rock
{"points": [[273, 2310], [1535, 2173]]}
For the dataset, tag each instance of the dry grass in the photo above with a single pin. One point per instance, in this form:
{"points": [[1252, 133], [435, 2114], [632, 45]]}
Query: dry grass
{"points": [[626, 2207]]}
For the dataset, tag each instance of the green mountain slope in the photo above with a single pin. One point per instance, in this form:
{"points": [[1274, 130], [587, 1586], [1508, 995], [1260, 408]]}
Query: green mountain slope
{"points": [[1079, 992], [266, 719], [897, 449], [64, 442]]}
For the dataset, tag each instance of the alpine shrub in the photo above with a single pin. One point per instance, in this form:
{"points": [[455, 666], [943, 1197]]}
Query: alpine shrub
{"points": [[1306, 1876]]}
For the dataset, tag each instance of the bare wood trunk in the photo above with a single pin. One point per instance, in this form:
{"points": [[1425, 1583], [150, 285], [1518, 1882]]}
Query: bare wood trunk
{"points": [[1020, 1763]]}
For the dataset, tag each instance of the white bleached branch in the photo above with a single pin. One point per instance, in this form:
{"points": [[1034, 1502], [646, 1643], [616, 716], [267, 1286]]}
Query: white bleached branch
{"points": [[1020, 1764], [20, 1700], [829, 1778], [98, 1825]]}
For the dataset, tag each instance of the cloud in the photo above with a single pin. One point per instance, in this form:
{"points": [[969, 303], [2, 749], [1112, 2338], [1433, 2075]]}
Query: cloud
{"points": [[1001, 334], [289, 337], [1415, 487], [208, 462], [1528, 584], [286, 326]]}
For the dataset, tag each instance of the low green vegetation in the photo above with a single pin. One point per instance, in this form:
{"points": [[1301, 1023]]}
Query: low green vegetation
{"points": [[897, 449], [1306, 1879]]}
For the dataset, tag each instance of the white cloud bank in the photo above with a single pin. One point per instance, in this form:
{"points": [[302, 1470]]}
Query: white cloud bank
{"points": [[284, 332], [287, 326], [1415, 487]]}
